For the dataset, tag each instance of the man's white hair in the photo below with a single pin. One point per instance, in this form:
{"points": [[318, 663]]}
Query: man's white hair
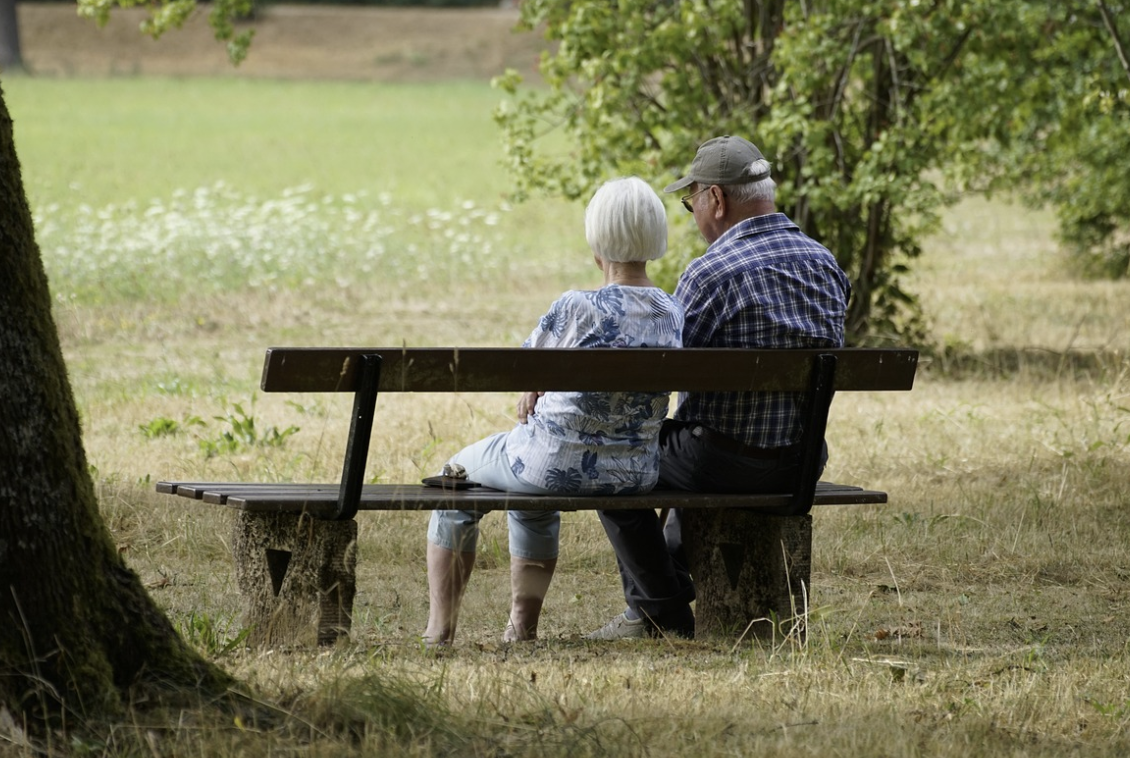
{"points": [[626, 221], [766, 189]]}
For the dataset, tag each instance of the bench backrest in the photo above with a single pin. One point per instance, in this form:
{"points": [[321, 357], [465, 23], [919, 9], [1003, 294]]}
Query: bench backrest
{"points": [[300, 369], [368, 371]]}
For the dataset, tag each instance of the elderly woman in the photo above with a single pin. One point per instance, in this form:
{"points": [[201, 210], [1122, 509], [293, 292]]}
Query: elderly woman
{"points": [[581, 443]]}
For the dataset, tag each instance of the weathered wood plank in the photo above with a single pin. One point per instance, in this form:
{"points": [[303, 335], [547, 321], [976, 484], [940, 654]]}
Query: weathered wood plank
{"points": [[318, 499], [291, 369]]}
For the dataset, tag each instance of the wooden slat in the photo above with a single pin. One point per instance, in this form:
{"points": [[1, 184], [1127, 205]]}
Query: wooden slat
{"points": [[292, 369], [321, 499], [217, 493]]}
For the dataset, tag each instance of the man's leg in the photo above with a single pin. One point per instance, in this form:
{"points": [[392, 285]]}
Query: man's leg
{"points": [[680, 455], [653, 588], [690, 463], [653, 568], [657, 591], [679, 469]]}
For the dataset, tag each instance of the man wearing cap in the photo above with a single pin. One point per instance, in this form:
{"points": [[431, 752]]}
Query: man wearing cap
{"points": [[762, 283]]}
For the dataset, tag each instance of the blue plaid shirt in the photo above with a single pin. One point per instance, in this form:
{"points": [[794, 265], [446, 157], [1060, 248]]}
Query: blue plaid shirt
{"points": [[761, 284]]}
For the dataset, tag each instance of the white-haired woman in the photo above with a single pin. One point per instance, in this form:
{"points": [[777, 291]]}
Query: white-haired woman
{"points": [[582, 443]]}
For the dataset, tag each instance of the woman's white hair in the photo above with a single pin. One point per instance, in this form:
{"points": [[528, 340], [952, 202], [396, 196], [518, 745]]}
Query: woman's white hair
{"points": [[626, 221], [766, 189]]}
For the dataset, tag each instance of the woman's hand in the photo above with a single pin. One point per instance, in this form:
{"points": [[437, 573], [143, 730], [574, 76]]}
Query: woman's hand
{"points": [[526, 405]]}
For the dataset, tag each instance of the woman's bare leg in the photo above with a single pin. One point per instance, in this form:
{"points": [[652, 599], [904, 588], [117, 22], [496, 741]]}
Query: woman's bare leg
{"points": [[448, 572], [529, 583]]}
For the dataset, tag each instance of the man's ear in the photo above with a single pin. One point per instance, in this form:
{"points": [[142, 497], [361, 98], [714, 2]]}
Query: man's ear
{"points": [[720, 202]]}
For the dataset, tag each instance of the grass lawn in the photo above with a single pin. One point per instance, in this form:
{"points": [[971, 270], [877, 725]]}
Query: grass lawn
{"points": [[188, 224]]}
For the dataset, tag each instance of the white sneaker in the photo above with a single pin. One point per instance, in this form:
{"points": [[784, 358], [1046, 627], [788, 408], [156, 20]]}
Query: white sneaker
{"points": [[622, 628]]}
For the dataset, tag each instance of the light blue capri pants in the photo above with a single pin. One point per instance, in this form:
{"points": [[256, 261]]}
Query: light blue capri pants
{"points": [[534, 535]]}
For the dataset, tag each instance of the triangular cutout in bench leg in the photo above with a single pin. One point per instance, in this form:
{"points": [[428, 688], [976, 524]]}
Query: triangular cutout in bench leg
{"points": [[278, 561], [297, 576], [766, 599]]}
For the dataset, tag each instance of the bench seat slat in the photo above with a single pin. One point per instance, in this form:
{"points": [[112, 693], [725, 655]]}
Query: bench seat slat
{"points": [[319, 499]]}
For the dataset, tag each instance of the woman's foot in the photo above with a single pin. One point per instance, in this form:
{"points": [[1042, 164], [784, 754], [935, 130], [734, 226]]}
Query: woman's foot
{"points": [[511, 634]]}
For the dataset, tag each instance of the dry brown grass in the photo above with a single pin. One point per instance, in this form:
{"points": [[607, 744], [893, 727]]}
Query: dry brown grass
{"points": [[982, 612]]}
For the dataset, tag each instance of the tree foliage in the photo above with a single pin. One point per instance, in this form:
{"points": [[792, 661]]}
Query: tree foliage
{"points": [[164, 15], [874, 112], [1069, 142]]}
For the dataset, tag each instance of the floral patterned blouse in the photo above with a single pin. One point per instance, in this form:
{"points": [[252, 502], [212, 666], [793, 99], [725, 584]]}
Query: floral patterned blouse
{"points": [[598, 443]]}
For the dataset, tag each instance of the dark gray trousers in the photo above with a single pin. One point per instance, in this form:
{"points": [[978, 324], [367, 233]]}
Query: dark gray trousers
{"points": [[653, 569]]}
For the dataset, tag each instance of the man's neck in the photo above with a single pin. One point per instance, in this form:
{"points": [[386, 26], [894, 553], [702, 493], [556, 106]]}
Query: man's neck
{"points": [[735, 214], [754, 208]]}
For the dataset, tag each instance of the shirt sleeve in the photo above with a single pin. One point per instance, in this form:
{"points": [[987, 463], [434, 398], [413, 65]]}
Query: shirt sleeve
{"points": [[702, 307], [557, 328]]}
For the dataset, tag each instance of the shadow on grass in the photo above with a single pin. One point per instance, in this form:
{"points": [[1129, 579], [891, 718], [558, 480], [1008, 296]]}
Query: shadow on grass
{"points": [[1037, 364]]}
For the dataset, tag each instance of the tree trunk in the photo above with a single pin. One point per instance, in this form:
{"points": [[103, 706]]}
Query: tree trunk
{"points": [[78, 632], [10, 57]]}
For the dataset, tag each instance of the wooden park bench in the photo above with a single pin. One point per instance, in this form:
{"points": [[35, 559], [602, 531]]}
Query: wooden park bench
{"points": [[750, 555]]}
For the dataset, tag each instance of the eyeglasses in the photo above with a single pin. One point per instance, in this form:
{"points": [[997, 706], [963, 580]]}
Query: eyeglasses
{"points": [[686, 199]]}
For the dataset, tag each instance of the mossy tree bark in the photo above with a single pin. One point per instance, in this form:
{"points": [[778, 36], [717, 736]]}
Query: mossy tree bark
{"points": [[78, 632]]}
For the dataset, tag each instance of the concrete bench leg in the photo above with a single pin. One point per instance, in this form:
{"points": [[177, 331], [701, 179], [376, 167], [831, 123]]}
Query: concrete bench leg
{"points": [[748, 567], [297, 575]]}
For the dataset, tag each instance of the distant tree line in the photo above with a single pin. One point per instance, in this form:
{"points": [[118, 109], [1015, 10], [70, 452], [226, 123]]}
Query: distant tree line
{"points": [[418, 3], [385, 3]]}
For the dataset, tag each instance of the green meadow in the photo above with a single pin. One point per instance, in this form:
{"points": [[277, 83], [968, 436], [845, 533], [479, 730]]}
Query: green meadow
{"points": [[187, 224]]}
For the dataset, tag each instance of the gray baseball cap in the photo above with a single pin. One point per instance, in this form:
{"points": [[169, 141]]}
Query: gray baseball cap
{"points": [[722, 160]]}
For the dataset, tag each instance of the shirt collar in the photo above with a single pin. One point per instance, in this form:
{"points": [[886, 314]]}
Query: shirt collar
{"points": [[750, 227]]}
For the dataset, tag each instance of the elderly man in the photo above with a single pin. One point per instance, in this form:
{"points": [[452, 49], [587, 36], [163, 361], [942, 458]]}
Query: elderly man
{"points": [[761, 283]]}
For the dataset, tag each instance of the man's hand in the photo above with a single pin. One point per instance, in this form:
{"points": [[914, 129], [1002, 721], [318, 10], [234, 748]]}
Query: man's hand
{"points": [[526, 405]]}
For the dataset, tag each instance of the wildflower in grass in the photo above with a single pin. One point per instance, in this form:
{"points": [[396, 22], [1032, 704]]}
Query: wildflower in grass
{"points": [[217, 239]]}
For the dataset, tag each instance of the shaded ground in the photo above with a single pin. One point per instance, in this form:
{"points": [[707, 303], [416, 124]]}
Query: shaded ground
{"points": [[389, 44]]}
